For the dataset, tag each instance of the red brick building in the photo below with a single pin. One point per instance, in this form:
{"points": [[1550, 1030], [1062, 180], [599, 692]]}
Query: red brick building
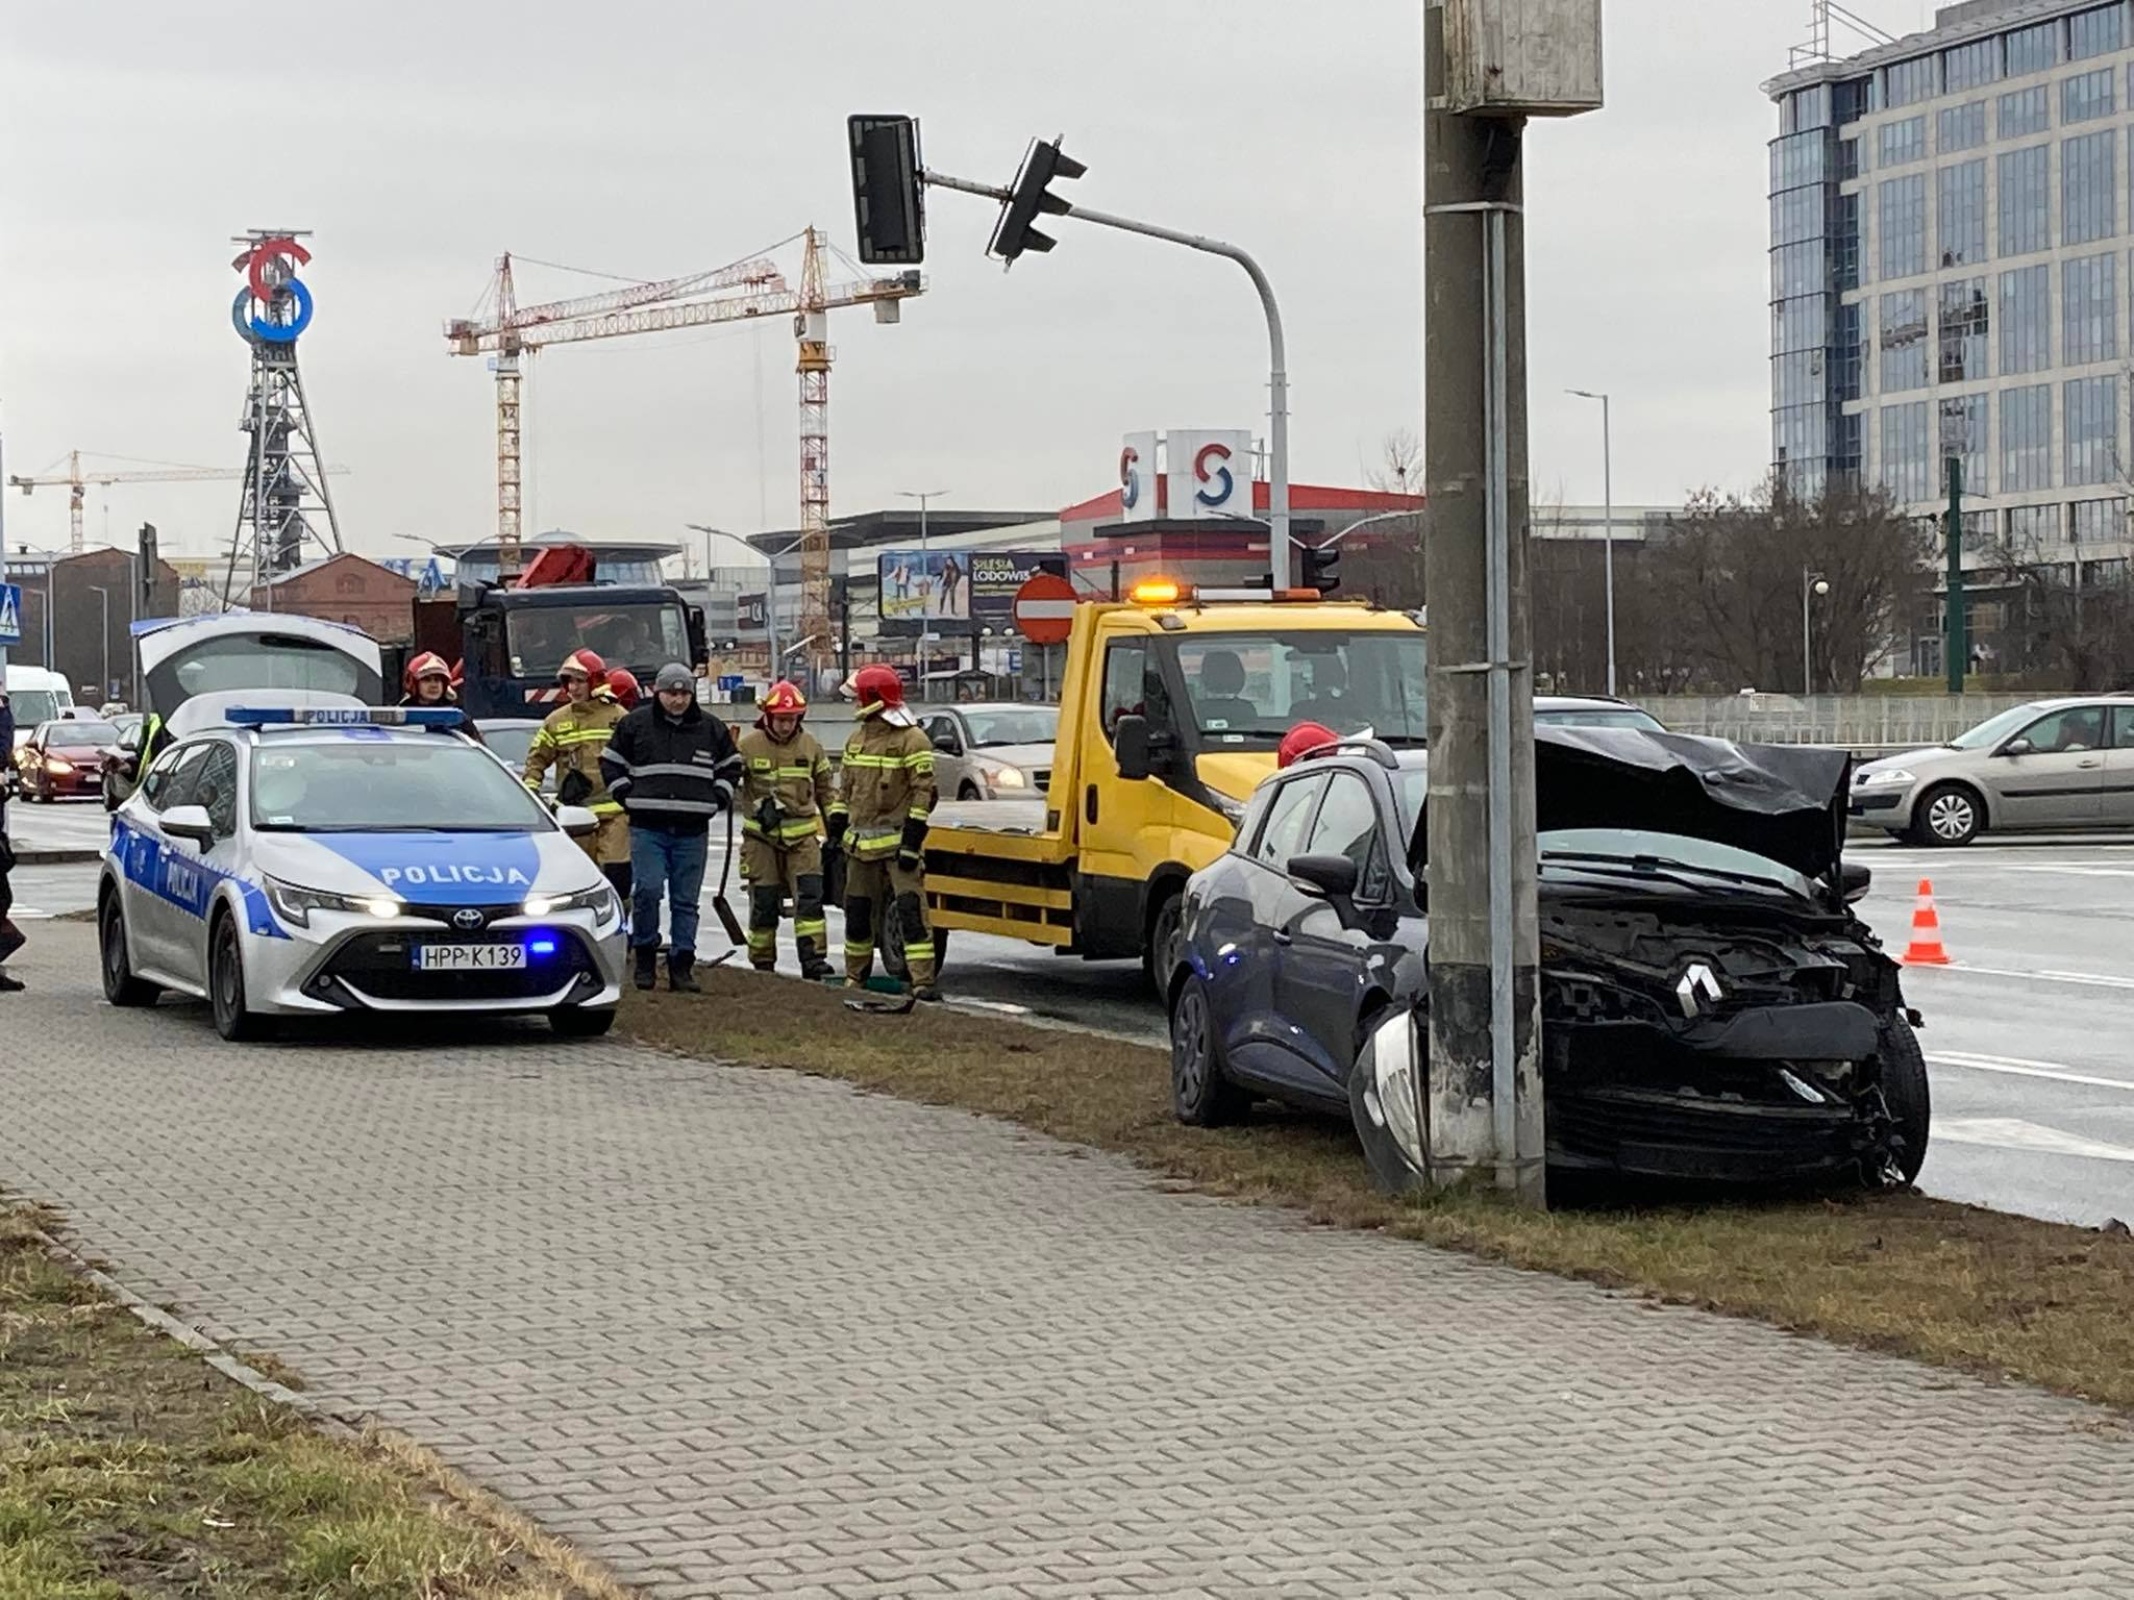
{"points": [[346, 588]]}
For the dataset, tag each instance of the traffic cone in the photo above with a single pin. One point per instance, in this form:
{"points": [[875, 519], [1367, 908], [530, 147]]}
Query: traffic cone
{"points": [[1925, 950]]}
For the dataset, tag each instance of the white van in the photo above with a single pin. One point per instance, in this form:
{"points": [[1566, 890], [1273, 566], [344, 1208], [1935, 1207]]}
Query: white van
{"points": [[36, 695]]}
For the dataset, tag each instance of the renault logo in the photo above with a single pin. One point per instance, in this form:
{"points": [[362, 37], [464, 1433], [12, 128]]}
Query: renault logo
{"points": [[1699, 988], [469, 918]]}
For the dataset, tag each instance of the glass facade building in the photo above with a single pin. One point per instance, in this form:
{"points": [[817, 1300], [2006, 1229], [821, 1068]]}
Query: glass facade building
{"points": [[1952, 270]]}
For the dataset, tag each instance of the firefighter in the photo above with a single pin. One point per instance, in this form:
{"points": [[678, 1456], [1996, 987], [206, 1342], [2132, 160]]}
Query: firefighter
{"points": [[786, 791], [623, 685], [428, 682], [571, 740], [879, 817]]}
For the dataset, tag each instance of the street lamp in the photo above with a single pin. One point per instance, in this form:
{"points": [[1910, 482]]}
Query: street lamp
{"points": [[1607, 520], [51, 559], [770, 588], [1812, 584], [104, 595]]}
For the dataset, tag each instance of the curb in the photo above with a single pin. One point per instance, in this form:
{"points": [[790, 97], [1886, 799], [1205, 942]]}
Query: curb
{"points": [[586, 1571], [54, 858]]}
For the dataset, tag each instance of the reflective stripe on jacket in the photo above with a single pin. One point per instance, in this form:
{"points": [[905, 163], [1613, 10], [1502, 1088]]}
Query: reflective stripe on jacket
{"points": [[887, 779], [796, 774], [570, 739], [671, 773]]}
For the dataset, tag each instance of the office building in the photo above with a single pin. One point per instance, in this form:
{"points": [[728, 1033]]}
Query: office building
{"points": [[1951, 275]]}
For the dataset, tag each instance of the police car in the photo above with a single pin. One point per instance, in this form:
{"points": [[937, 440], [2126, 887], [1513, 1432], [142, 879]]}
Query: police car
{"points": [[326, 857]]}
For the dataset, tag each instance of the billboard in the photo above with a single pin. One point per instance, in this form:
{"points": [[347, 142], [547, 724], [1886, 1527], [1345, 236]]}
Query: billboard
{"points": [[956, 591], [1137, 478]]}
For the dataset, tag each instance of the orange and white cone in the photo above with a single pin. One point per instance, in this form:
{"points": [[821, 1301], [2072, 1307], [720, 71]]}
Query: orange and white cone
{"points": [[1925, 950]]}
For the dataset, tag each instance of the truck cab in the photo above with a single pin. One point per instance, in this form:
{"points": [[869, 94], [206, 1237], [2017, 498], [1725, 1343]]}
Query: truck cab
{"points": [[1171, 709]]}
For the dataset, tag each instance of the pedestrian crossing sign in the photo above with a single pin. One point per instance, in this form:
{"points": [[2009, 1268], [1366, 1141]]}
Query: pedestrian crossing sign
{"points": [[10, 613]]}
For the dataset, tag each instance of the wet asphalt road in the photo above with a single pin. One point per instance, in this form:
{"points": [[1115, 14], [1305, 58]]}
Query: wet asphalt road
{"points": [[2029, 1036]]}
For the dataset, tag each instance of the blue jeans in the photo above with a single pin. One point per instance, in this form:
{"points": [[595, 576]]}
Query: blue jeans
{"points": [[672, 863]]}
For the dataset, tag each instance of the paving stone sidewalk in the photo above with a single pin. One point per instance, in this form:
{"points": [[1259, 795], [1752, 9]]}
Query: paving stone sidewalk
{"points": [[747, 1333]]}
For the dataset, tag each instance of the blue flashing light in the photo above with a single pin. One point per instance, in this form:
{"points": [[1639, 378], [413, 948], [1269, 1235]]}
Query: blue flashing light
{"points": [[541, 947], [344, 716]]}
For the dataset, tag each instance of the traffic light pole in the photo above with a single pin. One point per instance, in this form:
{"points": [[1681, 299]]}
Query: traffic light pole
{"points": [[1281, 558]]}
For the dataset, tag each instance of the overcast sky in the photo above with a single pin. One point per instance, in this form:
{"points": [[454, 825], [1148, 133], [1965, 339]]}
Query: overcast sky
{"points": [[656, 137]]}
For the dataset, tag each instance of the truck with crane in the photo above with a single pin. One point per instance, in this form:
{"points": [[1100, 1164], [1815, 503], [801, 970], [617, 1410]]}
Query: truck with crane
{"points": [[1171, 708]]}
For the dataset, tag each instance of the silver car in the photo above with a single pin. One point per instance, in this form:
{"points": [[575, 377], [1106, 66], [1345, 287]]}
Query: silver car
{"points": [[991, 750], [2050, 764], [332, 860]]}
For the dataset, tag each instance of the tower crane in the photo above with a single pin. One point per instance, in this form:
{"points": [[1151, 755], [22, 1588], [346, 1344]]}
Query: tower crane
{"points": [[76, 479], [753, 287]]}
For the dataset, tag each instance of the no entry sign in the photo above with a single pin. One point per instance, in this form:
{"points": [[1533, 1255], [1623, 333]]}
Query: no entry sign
{"points": [[1044, 609]]}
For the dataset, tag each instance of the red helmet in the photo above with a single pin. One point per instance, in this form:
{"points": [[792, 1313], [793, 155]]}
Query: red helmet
{"points": [[427, 665], [1304, 737], [623, 685], [583, 664], [785, 700], [878, 685]]}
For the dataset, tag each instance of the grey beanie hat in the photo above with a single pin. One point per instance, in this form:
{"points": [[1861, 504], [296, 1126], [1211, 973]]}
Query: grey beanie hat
{"points": [[675, 676]]}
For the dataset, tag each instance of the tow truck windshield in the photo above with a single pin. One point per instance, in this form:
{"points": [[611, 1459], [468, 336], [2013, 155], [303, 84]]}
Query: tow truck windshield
{"points": [[642, 635], [1248, 689]]}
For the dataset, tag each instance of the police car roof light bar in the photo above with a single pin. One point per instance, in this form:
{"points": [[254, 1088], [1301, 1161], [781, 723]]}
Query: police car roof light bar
{"points": [[345, 716]]}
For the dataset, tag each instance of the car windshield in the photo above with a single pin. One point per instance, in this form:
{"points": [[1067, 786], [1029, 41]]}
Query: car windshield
{"points": [[379, 783], [32, 706], [81, 735], [1251, 688], [1599, 717], [1669, 852], [1017, 725], [1994, 729], [643, 635], [510, 742]]}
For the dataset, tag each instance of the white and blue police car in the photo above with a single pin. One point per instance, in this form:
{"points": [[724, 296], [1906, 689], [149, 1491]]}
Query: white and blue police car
{"points": [[324, 857]]}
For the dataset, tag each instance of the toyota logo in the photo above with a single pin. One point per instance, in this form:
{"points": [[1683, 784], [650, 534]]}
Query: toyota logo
{"points": [[468, 918]]}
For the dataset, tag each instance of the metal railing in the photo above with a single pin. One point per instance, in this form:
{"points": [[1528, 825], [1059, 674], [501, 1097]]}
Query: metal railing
{"points": [[1856, 721]]}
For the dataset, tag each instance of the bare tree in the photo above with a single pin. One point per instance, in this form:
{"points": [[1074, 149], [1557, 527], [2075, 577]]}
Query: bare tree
{"points": [[2073, 618], [1400, 464]]}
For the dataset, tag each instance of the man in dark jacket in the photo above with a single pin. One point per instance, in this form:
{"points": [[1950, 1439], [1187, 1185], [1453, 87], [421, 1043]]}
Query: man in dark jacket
{"points": [[672, 766]]}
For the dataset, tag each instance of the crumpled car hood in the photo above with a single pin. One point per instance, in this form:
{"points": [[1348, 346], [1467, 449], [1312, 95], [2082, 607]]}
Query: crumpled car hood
{"points": [[1786, 803]]}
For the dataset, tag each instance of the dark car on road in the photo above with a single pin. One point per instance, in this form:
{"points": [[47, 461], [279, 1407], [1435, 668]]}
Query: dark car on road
{"points": [[1712, 1009], [64, 759]]}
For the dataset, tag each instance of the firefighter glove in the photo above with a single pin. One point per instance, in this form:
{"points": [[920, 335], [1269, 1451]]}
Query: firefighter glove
{"points": [[909, 848]]}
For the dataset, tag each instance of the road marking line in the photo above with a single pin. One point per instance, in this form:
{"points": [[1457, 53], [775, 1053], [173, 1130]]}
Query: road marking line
{"points": [[2095, 980], [2017, 1067], [2011, 1133]]}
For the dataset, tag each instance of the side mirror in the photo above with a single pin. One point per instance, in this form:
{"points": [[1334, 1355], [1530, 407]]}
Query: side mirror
{"points": [[2018, 747], [1130, 744], [1854, 880], [189, 822], [948, 744], [573, 820], [1329, 878]]}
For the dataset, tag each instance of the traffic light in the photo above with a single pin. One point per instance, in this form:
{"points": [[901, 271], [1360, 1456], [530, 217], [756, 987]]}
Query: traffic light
{"points": [[1319, 567], [1031, 199], [888, 190], [148, 569]]}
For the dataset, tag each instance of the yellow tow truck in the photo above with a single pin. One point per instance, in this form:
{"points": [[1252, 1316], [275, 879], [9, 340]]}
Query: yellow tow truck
{"points": [[1171, 708]]}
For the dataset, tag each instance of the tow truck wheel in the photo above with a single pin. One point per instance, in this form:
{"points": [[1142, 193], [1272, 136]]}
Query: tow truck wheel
{"points": [[121, 987], [576, 1022], [1166, 941], [1905, 1092], [226, 986]]}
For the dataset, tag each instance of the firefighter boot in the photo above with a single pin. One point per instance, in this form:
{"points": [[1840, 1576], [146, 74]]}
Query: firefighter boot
{"points": [[647, 973], [681, 974], [812, 965]]}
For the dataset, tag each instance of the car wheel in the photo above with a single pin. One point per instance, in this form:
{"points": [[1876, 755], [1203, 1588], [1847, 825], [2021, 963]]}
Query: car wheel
{"points": [[1202, 1095], [1166, 942], [969, 791], [226, 986], [1948, 814], [121, 987], [576, 1022], [1910, 1103]]}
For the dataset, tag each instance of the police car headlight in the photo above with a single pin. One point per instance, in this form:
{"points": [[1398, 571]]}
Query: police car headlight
{"points": [[294, 905], [601, 901]]}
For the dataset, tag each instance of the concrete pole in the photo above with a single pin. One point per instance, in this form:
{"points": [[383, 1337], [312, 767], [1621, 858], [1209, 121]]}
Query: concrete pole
{"points": [[1482, 1102]]}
